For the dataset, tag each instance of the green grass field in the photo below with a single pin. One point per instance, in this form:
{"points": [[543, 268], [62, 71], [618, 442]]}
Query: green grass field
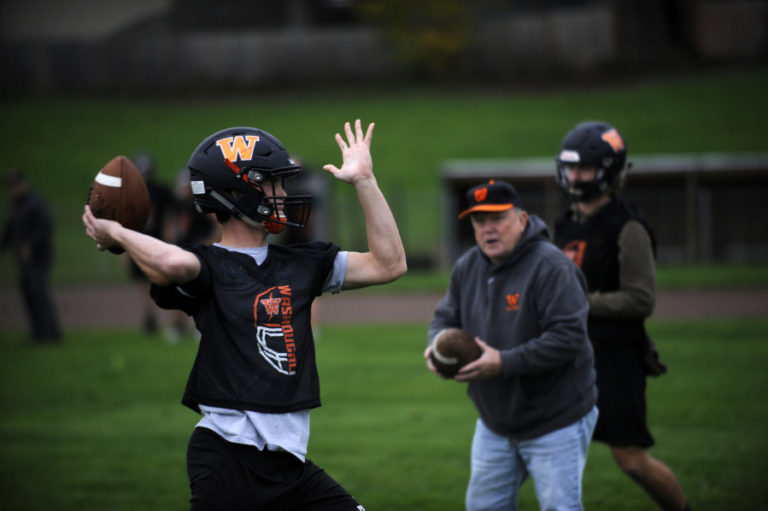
{"points": [[96, 423], [61, 142]]}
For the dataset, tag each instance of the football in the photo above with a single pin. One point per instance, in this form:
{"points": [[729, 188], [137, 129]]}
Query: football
{"points": [[452, 349], [119, 193]]}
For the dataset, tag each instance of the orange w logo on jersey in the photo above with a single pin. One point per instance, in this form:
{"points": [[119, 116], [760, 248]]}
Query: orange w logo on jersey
{"points": [[271, 305], [512, 302], [614, 140], [237, 148]]}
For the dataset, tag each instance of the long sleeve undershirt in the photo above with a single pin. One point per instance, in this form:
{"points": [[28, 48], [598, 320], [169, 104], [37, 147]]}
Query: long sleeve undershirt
{"points": [[636, 295]]}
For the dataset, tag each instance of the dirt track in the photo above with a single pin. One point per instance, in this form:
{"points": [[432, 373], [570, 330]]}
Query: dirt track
{"points": [[121, 306]]}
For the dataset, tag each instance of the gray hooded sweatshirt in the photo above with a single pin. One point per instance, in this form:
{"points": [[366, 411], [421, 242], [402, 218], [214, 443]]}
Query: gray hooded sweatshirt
{"points": [[533, 308]]}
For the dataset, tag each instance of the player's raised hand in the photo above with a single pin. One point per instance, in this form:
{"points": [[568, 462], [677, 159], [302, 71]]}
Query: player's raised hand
{"points": [[357, 164]]}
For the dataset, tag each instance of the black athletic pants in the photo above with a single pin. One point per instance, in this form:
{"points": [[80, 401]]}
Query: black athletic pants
{"points": [[228, 477]]}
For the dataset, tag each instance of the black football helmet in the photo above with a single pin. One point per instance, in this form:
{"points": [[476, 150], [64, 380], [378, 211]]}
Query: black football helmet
{"points": [[235, 171], [595, 145]]}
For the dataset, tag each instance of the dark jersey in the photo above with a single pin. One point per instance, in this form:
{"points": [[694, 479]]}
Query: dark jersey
{"points": [[594, 246], [256, 348]]}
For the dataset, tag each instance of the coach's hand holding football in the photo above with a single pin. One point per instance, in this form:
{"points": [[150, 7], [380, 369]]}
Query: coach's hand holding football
{"points": [[486, 366], [489, 364]]}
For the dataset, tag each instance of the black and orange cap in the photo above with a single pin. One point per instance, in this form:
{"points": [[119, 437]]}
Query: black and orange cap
{"points": [[491, 196]]}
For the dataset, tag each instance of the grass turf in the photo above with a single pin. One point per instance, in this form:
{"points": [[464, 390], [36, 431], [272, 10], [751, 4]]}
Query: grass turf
{"points": [[95, 423]]}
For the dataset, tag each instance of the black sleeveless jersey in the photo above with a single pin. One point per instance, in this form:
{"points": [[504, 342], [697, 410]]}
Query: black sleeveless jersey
{"points": [[256, 347], [594, 247]]}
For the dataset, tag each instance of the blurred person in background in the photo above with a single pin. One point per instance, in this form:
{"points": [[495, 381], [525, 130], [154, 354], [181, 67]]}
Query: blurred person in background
{"points": [[160, 205], [187, 227], [28, 233], [611, 241]]}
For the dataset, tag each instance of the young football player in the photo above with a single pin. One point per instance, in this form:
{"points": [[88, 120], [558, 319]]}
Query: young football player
{"points": [[254, 379]]}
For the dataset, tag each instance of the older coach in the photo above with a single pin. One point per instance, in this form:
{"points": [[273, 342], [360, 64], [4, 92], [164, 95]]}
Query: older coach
{"points": [[534, 384]]}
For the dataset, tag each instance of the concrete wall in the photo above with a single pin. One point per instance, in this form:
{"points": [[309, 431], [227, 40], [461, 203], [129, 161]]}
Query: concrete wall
{"points": [[562, 39], [149, 53], [736, 30]]}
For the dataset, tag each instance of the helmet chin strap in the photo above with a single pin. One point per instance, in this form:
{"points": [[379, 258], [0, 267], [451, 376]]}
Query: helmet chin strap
{"points": [[234, 211]]}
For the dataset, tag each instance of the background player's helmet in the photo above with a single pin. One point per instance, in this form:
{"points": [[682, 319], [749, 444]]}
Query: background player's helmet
{"points": [[234, 171], [597, 145]]}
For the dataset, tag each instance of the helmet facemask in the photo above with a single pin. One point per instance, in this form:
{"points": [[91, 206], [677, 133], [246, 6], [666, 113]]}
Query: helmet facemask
{"points": [[263, 203], [280, 211], [585, 191]]}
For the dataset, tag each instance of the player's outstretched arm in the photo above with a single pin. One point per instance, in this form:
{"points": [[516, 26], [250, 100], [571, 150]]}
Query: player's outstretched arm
{"points": [[161, 262], [385, 259]]}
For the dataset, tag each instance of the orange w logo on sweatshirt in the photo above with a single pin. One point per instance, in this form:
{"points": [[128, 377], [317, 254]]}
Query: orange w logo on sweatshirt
{"points": [[512, 302]]}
